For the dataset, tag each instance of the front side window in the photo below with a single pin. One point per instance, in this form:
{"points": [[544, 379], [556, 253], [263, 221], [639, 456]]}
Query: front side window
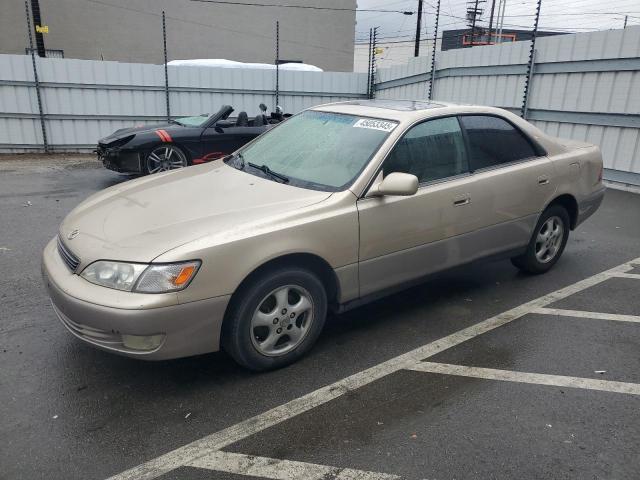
{"points": [[431, 150], [494, 141], [319, 150]]}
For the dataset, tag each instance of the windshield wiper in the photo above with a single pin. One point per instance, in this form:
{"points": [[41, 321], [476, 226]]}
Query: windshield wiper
{"points": [[175, 122], [268, 171]]}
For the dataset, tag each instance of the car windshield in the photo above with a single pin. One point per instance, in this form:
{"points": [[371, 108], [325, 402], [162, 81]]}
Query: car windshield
{"points": [[193, 121], [318, 150]]}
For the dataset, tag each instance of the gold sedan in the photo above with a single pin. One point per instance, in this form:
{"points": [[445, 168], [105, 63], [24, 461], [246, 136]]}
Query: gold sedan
{"points": [[338, 205]]}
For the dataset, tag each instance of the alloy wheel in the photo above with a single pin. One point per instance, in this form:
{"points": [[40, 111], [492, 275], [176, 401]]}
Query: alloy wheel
{"points": [[282, 320], [165, 158], [549, 239]]}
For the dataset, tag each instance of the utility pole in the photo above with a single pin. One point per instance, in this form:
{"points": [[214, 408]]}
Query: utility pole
{"points": [[418, 27], [501, 18], [493, 6], [473, 24], [37, 23]]}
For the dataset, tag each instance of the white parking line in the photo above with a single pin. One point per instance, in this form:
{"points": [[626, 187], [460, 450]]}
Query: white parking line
{"points": [[626, 275], [584, 314], [526, 377], [216, 441], [277, 469]]}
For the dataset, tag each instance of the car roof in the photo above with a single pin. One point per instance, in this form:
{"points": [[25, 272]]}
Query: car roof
{"points": [[403, 110], [409, 111], [388, 109]]}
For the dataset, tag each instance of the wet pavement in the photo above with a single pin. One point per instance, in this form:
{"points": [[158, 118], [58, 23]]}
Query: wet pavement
{"points": [[69, 411]]}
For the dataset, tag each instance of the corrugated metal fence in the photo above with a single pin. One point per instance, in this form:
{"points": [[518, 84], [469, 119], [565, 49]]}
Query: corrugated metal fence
{"points": [[585, 86], [84, 100]]}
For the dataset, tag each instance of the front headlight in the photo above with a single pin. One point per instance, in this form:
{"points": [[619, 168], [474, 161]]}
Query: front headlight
{"points": [[139, 277]]}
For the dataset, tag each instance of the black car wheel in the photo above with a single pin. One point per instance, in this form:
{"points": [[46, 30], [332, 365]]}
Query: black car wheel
{"points": [[165, 157]]}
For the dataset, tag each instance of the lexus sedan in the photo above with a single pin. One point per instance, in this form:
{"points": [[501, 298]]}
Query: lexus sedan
{"points": [[338, 205]]}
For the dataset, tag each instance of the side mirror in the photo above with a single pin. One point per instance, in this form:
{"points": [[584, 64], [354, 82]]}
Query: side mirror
{"points": [[218, 129], [396, 183]]}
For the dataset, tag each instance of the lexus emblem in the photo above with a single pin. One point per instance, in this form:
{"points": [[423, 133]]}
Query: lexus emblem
{"points": [[73, 234]]}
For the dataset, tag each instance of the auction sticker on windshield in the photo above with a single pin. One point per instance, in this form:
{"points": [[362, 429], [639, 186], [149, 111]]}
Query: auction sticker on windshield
{"points": [[383, 125]]}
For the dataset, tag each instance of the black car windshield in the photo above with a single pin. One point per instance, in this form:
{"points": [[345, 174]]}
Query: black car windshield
{"points": [[318, 150], [197, 121]]}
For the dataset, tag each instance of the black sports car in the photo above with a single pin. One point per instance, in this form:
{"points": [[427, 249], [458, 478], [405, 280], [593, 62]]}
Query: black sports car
{"points": [[182, 142]]}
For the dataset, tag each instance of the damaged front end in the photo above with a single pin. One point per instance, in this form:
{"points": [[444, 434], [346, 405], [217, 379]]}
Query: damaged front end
{"points": [[116, 156]]}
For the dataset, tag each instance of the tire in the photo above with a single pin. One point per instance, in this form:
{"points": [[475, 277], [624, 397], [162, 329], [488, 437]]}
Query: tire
{"points": [[545, 246], [165, 157], [257, 331]]}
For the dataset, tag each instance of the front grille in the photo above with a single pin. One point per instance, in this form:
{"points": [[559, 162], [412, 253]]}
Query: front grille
{"points": [[70, 260]]}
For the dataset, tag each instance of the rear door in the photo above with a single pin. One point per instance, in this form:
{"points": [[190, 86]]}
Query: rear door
{"points": [[514, 178]]}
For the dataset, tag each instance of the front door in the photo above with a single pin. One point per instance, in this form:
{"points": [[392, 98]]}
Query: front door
{"points": [[404, 238]]}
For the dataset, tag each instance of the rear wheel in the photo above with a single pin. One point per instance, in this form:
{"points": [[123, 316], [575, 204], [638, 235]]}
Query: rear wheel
{"points": [[164, 158], [547, 242], [275, 319]]}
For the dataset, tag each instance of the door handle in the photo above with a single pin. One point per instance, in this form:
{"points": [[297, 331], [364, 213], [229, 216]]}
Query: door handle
{"points": [[543, 180], [461, 200]]}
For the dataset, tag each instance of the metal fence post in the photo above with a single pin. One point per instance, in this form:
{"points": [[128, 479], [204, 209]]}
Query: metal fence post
{"points": [[277, 64], [36, 82], [530, 65], [369, 64], [166, 68], [527, 88], [433, 53], [372, 72]]}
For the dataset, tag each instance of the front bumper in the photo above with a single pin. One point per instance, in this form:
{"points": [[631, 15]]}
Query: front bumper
{"points": [[177, 330], [119, 160]]}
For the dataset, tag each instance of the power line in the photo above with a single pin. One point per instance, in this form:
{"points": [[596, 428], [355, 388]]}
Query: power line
{"points": [[307, 7]]}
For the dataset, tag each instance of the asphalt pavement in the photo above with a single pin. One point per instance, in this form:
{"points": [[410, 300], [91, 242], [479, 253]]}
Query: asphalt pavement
{"points": [[532, 394]]}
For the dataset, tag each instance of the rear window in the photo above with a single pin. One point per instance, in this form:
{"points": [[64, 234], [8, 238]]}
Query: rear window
{"points": [[494, 141]]}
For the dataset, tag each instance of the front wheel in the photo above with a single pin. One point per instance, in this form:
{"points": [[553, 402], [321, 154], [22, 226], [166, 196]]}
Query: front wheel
{"points": [[275, 319], [547, 242], [165, 157]]}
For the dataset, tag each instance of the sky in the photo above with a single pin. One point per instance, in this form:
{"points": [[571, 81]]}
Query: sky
{"points": [[564, 15]]}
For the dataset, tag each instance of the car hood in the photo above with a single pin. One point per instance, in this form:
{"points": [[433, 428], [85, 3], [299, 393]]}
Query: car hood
{"points": [[137, 130], [140, 219]]}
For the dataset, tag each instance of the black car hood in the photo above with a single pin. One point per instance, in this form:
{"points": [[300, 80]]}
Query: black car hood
{"points": [[125, 132]]}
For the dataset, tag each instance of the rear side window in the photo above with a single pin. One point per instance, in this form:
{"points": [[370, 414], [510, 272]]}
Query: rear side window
{"points": [[494, 141], [431, 150]]}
